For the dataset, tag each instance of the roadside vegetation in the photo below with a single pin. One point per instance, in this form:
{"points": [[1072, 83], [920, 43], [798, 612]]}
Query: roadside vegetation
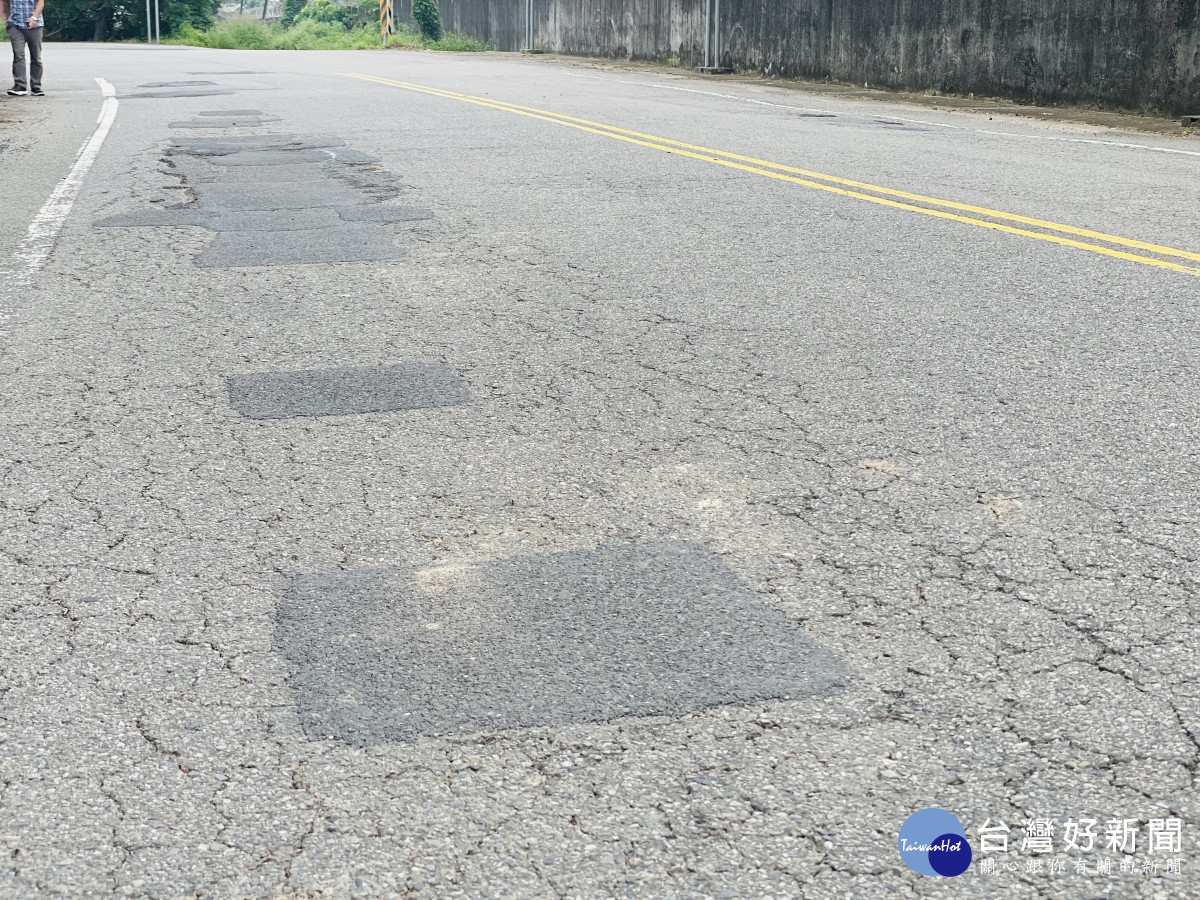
{"points": [[257, 35], [310, 34], [238, 25]]}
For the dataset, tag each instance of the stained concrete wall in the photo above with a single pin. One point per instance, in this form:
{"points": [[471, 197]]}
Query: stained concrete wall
{"points": [[1131, 53]]}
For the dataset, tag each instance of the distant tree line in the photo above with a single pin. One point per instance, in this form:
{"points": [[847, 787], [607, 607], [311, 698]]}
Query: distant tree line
{"points": [[119, 20]]}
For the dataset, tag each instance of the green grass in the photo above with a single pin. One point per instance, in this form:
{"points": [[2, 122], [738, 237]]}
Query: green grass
{"points": [[250, 34], [407, 38], [458, 44]]}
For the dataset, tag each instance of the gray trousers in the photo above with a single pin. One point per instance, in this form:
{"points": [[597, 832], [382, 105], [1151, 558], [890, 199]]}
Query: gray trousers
{"points": [[22, 38]]}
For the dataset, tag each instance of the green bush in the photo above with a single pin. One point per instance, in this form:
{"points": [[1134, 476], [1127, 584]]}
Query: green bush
{"points": [[428, 18], [327, 12], [309, 35], [241, 34], [253, 34]]}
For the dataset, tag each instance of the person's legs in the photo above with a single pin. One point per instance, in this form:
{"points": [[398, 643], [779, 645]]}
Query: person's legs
{"points": [[34, 38], [18, 47]]}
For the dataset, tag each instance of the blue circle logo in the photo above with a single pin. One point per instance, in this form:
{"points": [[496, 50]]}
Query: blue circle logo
{"points": [[933, 842]]}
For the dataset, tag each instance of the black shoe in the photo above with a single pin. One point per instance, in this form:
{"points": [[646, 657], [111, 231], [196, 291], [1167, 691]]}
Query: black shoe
{"points": [[17, 92], [38, 92]]}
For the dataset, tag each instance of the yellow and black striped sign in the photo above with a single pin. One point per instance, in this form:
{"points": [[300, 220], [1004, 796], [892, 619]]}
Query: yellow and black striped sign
{"points": [[386, 26]]}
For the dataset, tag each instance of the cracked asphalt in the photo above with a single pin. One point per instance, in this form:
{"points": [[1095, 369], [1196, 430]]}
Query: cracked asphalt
{"points": [[643, 527]]}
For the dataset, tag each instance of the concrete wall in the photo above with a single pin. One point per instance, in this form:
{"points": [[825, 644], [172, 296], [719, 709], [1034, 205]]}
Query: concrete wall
{"points": [[1132, 53]]}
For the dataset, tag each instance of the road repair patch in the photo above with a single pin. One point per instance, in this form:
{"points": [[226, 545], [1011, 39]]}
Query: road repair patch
{"points": [[346, 391], [660, 628], [280, 199]]}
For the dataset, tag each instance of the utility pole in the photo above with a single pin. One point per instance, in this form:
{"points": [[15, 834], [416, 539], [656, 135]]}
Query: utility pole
{"points": [[712, 40]]}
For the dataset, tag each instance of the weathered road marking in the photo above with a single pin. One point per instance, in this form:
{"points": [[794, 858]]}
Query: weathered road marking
{"points": [[43, 231]]}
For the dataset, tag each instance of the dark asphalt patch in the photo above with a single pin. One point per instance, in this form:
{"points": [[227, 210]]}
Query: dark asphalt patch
{"points": [[233, 72], [344, 244], [345, 392], [585, 636]]}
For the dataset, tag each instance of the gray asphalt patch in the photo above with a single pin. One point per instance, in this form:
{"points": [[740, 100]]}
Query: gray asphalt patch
{"points": [[269, 220], [230, 112], [275, 200], [354, 157], [344, 244], [221, 123], [897, 126], [157, 217], [167, 84], [373, 181], [386, 215], [273, 157], [198, 171], [346, 391], [275, 195], [275, 220], [233, 72], [168, 95], [585, 636], [241, 143]]}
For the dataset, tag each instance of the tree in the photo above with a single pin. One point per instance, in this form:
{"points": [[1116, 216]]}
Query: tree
{"points": [[429, 18], [121, 20], [291, 9]]}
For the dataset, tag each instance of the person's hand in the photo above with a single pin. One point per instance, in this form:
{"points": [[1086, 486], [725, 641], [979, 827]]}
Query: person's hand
{"points": [[32, 23]]}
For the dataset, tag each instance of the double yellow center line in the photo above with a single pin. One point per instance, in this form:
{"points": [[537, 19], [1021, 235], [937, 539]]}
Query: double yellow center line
{"points": [[979, 216]]}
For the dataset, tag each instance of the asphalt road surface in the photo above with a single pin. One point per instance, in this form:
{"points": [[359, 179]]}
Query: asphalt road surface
{"points": [[474, 476]]}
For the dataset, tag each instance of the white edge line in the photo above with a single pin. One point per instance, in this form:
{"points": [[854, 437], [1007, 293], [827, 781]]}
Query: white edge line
{"points": [[43, 230]]}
